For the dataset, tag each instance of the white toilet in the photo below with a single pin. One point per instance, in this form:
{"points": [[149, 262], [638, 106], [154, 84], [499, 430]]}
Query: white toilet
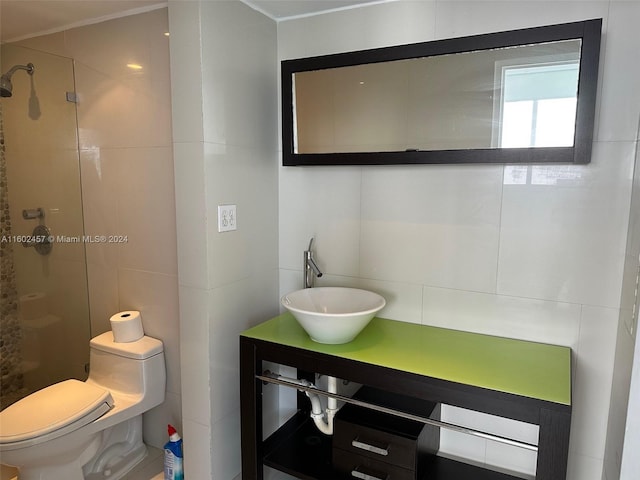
{"points": [[87, 430]]}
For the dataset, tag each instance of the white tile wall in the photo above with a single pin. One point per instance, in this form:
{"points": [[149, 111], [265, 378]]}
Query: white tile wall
{"points": [[435, 226], [225, 124], [562, 239], [629, 462], [455, 18], [514, 317], [617, 428], [593, 376], [618, 119], [541, 261], [326, 214], [623, 432]]}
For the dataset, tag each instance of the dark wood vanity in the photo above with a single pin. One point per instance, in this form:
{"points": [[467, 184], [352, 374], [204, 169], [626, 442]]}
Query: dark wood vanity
{"points": [[410, 371], [379, 445]]}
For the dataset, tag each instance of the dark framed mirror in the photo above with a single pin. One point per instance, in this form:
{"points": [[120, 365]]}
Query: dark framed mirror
{"points": [[520, 97]]}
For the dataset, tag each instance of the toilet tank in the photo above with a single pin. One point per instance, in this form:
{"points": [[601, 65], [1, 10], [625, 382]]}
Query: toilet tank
{"points": [[132, 368]]}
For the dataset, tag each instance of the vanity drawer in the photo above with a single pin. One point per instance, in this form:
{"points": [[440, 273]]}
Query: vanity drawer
{"points": [[384, 437], [375, 444], [365, 468]]}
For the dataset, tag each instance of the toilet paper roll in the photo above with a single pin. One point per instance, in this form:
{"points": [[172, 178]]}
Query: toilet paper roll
{"points": [[33, 305], [126, 326]]}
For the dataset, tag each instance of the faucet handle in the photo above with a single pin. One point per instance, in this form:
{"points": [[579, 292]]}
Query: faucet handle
{"points": [[310, 243]]}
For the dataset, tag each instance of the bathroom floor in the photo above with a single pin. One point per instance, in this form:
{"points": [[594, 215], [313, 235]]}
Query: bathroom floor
{"points": [[151, 468]]}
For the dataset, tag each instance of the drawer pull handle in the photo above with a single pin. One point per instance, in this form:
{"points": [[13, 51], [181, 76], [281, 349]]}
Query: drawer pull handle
{"points": [[366, 476], [380, 450]]}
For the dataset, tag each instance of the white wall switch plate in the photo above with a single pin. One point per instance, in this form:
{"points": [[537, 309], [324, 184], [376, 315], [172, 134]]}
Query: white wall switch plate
{"points": [[227, 220]]}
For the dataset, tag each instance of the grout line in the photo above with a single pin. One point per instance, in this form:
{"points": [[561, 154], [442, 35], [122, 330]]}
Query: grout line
{"points": [[495, 290]]}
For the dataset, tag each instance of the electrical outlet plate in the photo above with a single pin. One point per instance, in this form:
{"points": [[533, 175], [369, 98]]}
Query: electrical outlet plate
{"points": [[227, 220]]}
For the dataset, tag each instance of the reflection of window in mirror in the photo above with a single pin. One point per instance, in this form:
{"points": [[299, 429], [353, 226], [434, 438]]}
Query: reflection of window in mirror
{"points": [[565, 175], [538, 105]]}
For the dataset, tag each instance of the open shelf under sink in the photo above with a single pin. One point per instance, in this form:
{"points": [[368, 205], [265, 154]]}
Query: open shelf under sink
{"points": [[300, 450]]}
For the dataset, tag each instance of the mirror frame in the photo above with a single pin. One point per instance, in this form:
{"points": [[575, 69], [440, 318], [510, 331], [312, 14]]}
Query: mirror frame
{"points": [[589, 31]]}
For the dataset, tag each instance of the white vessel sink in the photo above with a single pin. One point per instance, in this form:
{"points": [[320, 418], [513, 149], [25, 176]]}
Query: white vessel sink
{"points": [[333, 314]]}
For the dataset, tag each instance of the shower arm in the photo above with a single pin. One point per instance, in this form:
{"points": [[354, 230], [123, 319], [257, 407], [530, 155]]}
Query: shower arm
{"points": [[29, 68]]}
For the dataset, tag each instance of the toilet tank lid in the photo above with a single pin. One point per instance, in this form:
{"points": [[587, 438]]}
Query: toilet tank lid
{"points": [[59, 408], [140, 349]]}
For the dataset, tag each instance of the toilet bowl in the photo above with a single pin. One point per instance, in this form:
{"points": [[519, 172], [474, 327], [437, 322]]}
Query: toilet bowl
{"points": [[87, 430]]}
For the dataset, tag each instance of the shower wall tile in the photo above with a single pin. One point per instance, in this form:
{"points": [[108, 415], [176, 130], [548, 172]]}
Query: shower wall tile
{"points": [[108, 47], [146, 210], [115, 112], [155, 296], [103, 295], [52, 43], [100, 176], [137, 217], [120, 106]]}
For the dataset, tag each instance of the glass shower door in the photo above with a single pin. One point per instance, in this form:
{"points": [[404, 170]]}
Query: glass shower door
{"points": [[45, 327]]}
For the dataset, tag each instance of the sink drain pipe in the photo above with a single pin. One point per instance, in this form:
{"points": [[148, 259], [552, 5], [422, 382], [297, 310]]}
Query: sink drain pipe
{"points": [[318, 416], [322, 419]]}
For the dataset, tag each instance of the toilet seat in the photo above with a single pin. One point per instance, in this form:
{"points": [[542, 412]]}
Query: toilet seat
{"points": [[52, 412]]}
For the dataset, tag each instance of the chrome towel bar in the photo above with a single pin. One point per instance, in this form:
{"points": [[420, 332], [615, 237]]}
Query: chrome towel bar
{"points": [[269, 377]]}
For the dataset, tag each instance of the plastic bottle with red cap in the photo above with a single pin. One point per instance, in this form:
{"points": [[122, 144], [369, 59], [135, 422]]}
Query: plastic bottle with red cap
{"points": [[173, 469]]}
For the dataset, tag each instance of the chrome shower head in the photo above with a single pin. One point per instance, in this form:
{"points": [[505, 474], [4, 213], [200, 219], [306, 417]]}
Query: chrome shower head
{"points": [[6, 87]]}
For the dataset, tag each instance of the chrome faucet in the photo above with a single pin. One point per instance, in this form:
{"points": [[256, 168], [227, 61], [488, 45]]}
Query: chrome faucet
{"points": [[310, 268]]}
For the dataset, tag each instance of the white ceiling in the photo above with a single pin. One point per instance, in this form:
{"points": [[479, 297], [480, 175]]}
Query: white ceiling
{"points": [[24, 18], [279, 9]]}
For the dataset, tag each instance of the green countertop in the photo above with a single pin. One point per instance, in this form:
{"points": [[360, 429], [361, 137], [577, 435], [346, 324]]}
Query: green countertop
{"points": [[528, 369]]}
